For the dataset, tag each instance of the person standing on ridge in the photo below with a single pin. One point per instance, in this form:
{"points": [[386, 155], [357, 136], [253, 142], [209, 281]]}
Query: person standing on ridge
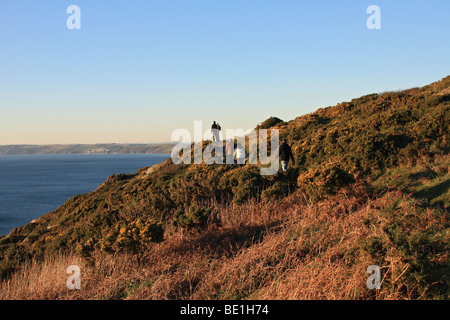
{"points": [[218, 131], [214, 132], [285, 155]]}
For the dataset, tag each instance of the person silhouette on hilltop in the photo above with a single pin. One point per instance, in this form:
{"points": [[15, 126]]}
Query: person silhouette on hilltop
{"points": [[215, 132], [218, 131]]}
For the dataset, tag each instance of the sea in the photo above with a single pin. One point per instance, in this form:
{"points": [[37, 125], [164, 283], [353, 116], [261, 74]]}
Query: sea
{"points": [[33, 185]]}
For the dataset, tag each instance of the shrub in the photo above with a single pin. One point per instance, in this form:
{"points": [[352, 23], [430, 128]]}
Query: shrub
{"points": [[269, 123], [197, 218], [324, 180], [277, 190], [133, 237], [413, 242], [242, 183]]}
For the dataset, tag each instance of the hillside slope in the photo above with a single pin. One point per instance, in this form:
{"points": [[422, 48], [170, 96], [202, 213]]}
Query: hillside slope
{"points": [[370, 186]]}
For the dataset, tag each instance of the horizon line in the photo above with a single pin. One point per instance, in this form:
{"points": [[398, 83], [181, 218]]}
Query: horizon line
{"points": [[85, 144]]}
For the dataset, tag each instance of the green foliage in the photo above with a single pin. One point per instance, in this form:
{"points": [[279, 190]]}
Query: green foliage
{"points": [[195, 219], [428, 180], [277, 190], [374, 132], [324, 180], [374, 246], [86, 248], [243, 183], [269, 123], [133, 236], [413, 242]]}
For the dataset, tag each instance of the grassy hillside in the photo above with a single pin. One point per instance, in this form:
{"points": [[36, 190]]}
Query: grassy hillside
{"points": [[370, 185]]}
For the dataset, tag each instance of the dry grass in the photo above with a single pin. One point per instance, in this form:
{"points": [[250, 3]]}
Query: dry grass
{"points": [[42, 280], [284, 249]]}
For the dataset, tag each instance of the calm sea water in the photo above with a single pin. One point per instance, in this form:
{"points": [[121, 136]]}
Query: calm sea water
{"points": [[32, 185]]}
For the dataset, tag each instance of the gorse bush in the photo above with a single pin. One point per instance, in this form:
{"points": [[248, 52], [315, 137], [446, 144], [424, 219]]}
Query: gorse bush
{"points": [[195, 219], [324, 180], [133, 237], [413, 241], [277, 190], [269, 123], [371, 132], [242, 183]]}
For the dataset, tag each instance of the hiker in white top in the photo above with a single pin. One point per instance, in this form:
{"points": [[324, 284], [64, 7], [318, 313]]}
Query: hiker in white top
{"points": [[240, 155]]}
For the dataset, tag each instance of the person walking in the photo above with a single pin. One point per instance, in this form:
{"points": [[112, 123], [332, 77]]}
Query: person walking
{"points": [[229, 151], [240, 155], [285, 155]]}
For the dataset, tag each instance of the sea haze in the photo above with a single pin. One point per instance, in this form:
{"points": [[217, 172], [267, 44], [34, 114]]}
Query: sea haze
{"points": [[32, 185]]}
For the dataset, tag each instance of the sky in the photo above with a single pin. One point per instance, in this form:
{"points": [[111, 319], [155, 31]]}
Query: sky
{"points": [[138, 70]]}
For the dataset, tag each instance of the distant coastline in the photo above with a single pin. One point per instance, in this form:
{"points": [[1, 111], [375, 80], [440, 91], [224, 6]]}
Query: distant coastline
{"points": [[106, 148]]}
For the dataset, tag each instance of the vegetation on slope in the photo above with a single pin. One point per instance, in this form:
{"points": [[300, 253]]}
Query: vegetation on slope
{"points": [[370, 186]]}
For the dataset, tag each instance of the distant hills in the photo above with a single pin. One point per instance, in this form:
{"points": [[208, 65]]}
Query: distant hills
{"points": [[86, 148]]}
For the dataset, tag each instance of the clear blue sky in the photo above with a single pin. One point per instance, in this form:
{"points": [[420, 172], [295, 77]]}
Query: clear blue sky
{"points": [[137, 70]]}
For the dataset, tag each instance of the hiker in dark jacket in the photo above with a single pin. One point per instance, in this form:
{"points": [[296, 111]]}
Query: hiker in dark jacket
{"points": [[218, 132], [215, 132], [285, 155]]}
